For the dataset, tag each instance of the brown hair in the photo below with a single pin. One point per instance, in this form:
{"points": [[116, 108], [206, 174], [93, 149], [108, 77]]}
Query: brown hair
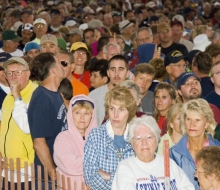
{"points": [[144, 69], [124, 97], [170, 89], [160, 70], [211, 160]]}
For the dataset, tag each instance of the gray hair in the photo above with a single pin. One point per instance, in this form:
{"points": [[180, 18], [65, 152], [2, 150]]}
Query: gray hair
{"points": [[106, 47], [131, 85], [144, 28], [216, 34], [147, 121]]}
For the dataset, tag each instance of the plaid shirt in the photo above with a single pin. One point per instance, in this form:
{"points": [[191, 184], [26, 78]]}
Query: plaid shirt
{"points": [[99, 154]]}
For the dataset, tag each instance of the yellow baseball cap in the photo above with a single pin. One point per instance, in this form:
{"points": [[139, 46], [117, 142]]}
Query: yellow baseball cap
{"points": [[78, 45]]}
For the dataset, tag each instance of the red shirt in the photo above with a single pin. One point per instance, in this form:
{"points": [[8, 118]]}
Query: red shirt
{"points": [[84, 78], [160, 121]]}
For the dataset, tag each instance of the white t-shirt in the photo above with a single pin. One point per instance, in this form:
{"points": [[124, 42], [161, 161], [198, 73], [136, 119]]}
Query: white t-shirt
{"points": [[134, 174], [17, 53]]}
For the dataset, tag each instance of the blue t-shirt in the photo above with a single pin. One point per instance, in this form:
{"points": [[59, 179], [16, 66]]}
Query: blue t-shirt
{"points": [[213, 98], [46, 117], [119, 145]]}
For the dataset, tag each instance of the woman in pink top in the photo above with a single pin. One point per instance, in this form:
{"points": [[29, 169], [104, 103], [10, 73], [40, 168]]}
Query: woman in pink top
{"points": [[69, 144]]}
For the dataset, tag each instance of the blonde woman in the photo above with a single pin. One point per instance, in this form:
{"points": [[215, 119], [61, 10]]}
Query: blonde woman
{"points": [[202, 29], [198, 124], [174, 131]]}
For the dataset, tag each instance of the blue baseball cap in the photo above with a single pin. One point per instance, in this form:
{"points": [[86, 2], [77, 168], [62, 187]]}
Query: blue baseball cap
{"points": [[31, 45], [184, 77]]}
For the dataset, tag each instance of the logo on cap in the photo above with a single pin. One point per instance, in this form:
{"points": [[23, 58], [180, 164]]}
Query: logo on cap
{"points": [[176, 53]]}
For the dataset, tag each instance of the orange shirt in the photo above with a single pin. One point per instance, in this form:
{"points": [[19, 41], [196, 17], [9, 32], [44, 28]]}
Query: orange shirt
{"points": [[79, 87]]}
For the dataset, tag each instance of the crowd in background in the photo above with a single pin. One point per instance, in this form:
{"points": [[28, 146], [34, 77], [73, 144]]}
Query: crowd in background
{"points": [[92, 88]]}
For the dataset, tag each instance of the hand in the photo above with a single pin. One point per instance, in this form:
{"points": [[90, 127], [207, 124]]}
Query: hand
{"points": [[104, 175], [15, 89]]}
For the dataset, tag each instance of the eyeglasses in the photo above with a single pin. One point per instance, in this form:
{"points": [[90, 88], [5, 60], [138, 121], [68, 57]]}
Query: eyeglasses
{"points": [[80, 53], [16, 73], [64, 63], [140, 139], [196, 172], [39, 25]]}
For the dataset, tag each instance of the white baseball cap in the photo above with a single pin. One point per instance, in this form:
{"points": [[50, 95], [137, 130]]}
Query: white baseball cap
{"points": [[39, 20]]}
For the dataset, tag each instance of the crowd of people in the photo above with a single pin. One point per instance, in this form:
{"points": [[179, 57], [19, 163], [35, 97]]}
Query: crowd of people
{"points": [[91, 89]]}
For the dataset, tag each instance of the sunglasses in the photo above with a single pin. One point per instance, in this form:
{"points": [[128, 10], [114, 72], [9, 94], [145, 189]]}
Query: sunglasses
{"points": [[64, 63]]}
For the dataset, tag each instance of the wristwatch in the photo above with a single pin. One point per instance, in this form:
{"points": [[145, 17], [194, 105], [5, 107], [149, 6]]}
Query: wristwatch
{"points": [[18, 99]]}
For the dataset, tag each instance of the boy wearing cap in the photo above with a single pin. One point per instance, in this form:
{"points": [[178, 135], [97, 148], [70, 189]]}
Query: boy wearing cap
{"points": [[48, 43], [175, 64], [15, 131], [10, 43], [31, 50], [26, 34], [166, 43], [40, 29]]}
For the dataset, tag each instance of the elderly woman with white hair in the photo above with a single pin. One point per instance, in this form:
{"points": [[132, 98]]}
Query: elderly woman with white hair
{"points": [[146, 168]]}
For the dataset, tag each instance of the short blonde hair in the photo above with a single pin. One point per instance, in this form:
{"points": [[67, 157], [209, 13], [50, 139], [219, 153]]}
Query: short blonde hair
{"points": [[202, 107], [125, 99]]}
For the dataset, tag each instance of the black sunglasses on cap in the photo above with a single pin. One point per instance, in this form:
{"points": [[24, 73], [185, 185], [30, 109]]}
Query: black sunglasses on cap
{"points": [[64, 63]]}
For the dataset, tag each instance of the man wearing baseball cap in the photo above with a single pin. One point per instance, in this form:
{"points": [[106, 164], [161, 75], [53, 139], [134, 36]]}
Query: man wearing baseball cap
{"points": [[175, 63], [40, 29], [10, 43], [127, 28], [188, 86], [14, 115], [166, 43], [48, 43]]}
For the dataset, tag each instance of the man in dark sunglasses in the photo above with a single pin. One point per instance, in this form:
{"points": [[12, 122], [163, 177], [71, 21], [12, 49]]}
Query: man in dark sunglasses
{"points": [[67, 61]]}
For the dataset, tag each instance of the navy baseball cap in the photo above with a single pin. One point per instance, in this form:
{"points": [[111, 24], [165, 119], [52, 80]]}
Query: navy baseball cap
{"points": [[184, 77], [4, 56], [174, 57]]}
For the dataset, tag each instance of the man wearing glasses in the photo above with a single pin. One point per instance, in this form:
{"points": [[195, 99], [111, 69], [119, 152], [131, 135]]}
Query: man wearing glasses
{"points": [[40, 29], [15, 138], [175, 63]]}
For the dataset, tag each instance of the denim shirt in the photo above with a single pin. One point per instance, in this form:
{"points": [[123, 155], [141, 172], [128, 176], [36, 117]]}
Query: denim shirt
{"points": [[181, 155], [99, 154]]}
